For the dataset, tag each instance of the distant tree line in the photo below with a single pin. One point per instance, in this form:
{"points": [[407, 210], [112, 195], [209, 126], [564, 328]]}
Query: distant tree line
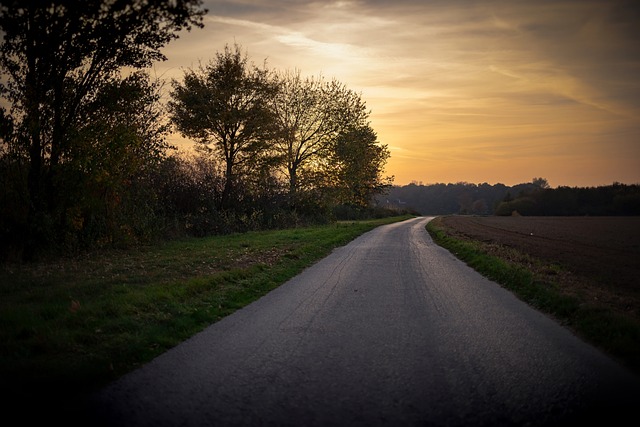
{"points": [[84, 153], [615, 199], [534, 198]]}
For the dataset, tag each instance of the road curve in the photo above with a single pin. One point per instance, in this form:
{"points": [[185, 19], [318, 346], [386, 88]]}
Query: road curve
{"points": [[388, 330]]}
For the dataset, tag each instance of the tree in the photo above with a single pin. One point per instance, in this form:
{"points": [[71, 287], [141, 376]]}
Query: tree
{"points": [[56, 56], [223, 107], [541, 183], [359, 162], [311, 113], [115, 149]]}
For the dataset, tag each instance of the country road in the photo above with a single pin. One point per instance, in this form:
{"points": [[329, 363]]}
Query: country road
{"points": [[388, 330]]}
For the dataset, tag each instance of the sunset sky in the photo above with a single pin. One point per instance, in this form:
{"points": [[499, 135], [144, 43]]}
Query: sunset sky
{"points": [[496, 91]]}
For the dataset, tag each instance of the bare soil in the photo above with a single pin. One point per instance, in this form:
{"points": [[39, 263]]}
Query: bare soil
{"points": [[597, 258]]}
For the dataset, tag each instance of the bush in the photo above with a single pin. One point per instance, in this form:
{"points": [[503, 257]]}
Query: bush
{"points": [[523, 205]]}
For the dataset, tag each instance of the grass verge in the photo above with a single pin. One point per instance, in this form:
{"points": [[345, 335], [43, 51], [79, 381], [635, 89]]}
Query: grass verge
{"points": [[70, 326], [546, 287]]}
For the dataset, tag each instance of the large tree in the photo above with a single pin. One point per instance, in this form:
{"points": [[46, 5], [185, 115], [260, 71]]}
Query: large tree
{"points": [[223, 106], [310, 114], [56, 55]]}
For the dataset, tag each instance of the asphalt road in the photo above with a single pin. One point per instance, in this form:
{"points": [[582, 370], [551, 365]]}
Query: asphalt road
{"points": [[388, 330]]}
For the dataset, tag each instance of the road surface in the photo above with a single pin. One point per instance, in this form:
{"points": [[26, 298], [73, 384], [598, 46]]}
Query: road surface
{"points": [[387, 330]]}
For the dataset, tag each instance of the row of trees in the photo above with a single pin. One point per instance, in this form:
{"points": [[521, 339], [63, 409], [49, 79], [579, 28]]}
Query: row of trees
{"points": [[531, 198], [454, 198], [84, 152], [615, 199], [311, 133]]}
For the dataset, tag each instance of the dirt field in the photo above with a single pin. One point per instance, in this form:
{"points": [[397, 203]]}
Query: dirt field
{"points": [[601, 255]]}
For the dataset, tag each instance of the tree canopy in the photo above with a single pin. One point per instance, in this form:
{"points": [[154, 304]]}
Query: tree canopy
{"points": [[58, 54], [223, 106], [358, 160], [310, 114]]}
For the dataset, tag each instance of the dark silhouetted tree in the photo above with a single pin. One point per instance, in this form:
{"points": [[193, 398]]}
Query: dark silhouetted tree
{"points": [[311, 113], [223, 107], [55, 56], [541, 183]]}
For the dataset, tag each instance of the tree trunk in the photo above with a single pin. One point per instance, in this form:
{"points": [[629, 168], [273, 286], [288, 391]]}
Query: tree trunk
{"points": [[227, 192], [35, 166], [293, 181]]}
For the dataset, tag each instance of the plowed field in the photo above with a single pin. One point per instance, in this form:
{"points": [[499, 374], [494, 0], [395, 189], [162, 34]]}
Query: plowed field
{"points": [[600, 254]]}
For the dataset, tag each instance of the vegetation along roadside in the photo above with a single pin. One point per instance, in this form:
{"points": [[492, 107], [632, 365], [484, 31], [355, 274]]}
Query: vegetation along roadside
{"points": [[588, 301], [71, 325]]}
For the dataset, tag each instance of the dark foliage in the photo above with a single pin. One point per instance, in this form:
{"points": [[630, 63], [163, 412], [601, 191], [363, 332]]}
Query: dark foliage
{"points": [[73, 123], [615, 199], [535, 198], [442, 199]]}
